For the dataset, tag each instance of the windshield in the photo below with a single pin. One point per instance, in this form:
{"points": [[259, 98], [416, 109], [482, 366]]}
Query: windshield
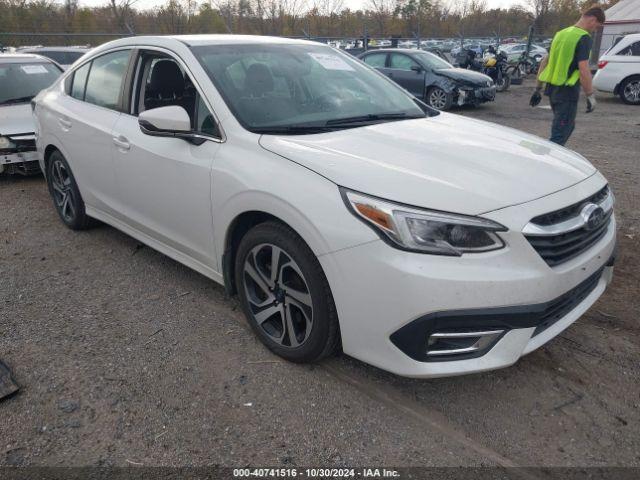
{"points": [[20, 82], [300, 86], [432, 61]]}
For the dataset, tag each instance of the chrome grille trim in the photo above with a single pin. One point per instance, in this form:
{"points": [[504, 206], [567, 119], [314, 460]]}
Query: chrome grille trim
{"points": [[571, 224]]}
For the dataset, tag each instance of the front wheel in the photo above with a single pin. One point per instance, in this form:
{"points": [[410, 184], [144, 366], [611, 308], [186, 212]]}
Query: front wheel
{"points": [[285, 294], [439, 99], [630, 91], [503, 82]]}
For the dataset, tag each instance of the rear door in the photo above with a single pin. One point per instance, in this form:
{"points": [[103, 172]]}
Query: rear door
{"points": [[84, 123], [408, 73], [165, 183]]}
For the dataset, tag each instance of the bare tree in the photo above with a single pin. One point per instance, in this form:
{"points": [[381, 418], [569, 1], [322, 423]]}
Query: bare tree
{"points": [[382, 11], [121, 10]]}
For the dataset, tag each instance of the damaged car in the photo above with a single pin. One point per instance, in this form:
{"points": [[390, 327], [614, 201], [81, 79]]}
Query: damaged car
{"points": [[432, 79], [22, 76]]}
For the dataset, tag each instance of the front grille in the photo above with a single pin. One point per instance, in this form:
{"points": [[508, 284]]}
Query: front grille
{"points": [[23, 144], [556, 249], [563, 234], [562, 305], [565, 213]]}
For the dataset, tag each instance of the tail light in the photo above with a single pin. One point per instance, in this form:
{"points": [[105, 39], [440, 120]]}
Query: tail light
{"points": [[602, 64]]}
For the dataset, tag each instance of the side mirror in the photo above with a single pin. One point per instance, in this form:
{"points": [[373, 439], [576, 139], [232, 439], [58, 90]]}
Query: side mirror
{"points": [[417, 68], [172, 121]]}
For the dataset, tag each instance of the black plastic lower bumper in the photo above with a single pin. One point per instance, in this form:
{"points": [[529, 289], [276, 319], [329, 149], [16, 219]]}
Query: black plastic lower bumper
{"points": [[412, 338]]}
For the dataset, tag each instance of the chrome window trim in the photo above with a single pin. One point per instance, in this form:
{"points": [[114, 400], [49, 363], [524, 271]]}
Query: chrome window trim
{"points": [[573, 223]]}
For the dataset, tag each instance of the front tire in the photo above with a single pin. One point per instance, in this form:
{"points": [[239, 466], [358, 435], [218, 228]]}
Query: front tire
{"points": [[503, 83], [439, 99], [630, 90], [65, 193], [285, 295]]}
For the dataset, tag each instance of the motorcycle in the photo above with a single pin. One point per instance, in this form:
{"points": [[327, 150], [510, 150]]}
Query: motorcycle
{"points": [[493, 64]]}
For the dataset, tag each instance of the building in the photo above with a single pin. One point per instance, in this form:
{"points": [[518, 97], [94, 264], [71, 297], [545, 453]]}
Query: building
{"points": [[622, 18]]}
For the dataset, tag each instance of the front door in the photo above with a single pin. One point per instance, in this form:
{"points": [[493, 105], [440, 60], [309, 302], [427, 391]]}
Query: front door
{"points": [[407, 73], [165, 183]]}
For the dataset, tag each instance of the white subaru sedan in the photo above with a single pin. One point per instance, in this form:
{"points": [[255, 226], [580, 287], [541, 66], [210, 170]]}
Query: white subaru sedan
{"points": [[341, 210]]}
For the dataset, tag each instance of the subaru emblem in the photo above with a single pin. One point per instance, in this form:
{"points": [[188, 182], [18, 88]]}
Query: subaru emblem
{"points": [[592, 215]]}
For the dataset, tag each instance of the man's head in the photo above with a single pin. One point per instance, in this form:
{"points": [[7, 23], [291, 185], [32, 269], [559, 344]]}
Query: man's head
{"points": [[592, 19]]}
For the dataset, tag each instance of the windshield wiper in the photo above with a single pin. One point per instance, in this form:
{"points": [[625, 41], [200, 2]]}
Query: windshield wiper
{"points": [[18, 100], [292, 129], [371, 118]]}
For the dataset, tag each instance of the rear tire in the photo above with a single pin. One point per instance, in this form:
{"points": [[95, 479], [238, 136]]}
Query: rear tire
{"points": [[66, 195], [630, 90], [285, 295]]}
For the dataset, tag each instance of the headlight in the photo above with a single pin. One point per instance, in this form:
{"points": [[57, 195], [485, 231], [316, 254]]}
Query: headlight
{"points": [[5, 143], [425, 231]]}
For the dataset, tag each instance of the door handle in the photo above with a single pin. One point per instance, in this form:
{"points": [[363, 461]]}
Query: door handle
{"points": [[390, 75], [65, 123], [121, 142]]}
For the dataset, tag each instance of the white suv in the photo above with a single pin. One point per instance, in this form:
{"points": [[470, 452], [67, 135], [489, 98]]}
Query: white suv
{"points": [[342, 210], [619, 70]]}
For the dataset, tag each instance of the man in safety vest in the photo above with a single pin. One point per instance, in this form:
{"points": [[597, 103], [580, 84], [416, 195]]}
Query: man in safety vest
{"points": [[564, 70]]}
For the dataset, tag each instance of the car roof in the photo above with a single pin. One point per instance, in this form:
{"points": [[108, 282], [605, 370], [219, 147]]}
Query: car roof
{"points": [[22, 57], [215, 39], [397, 50], [57, 49]]}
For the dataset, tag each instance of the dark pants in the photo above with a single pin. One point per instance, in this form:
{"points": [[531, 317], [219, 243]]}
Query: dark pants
{"points": [[564, 120]]}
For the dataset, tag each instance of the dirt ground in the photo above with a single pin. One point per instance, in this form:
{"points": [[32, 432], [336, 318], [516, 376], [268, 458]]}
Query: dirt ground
{"points": [[126, 357]]}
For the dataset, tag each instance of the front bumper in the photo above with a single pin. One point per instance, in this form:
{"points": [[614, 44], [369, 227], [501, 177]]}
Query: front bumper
{"points": [[20, 162], [475, 96], [379, 290]]}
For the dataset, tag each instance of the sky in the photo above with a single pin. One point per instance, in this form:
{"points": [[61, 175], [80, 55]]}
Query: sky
{"points": [[353, 4]]}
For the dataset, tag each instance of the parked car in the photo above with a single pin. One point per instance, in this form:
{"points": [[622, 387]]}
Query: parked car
{"points": [[515, 51], [341, 210], [432, 79], [619, 70], [63, 56], [22, 76]]}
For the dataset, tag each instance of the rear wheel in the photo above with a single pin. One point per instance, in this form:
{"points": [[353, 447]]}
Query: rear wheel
{"points": [[439, 99], [285, 294], [630, 90], [66, 196]]}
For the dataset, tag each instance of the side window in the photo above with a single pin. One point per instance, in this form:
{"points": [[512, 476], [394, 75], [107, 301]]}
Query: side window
{"points": [[205, 123], [376, 60], [402, 62], [79, 81], [106, 78], [631, 50]]}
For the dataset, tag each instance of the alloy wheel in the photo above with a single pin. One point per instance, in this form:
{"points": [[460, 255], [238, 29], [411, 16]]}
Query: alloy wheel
{"points": [[632, 91], [438, 98], [278, 295], [63, 194]]}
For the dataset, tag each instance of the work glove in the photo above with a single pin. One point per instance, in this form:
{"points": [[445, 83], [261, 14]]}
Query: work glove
{"points": [[536, 98], [591, 103]]}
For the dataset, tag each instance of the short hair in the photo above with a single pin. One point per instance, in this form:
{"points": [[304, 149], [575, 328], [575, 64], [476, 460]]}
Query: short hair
{"points": [[595, 12]]}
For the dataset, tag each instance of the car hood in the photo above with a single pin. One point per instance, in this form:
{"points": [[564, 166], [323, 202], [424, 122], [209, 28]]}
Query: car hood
{"points": [[465, 76], [16, 119], [447, 162]]}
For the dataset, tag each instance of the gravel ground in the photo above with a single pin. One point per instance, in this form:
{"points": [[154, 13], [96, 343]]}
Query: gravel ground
{"points": [[126, 357]]}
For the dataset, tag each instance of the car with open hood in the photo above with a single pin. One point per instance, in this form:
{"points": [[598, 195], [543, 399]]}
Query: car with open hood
{"points": [[343, 212], [431, 78]]}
